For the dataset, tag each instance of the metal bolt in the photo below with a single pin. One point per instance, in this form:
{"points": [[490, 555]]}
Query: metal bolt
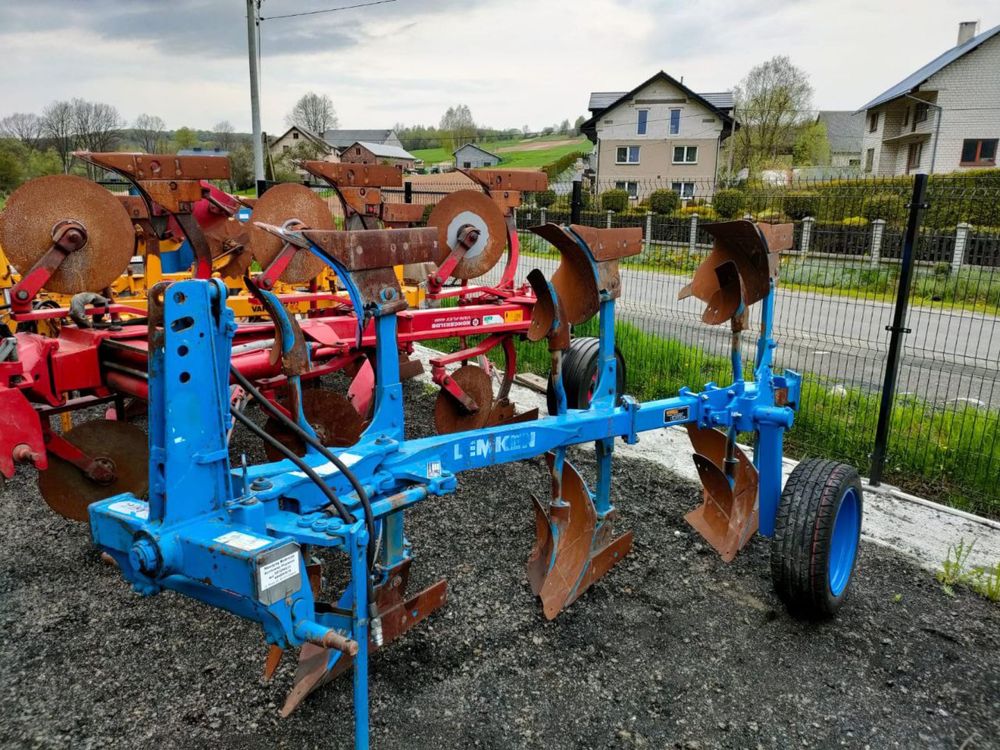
{"points": [[260, 483], [144, 556]]}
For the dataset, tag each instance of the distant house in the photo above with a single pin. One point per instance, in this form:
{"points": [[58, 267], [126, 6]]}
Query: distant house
{"points": [[845, 132], [659, 134], [300, 143], [471, 156], [364, 152], [341, 139], [944, 117]]}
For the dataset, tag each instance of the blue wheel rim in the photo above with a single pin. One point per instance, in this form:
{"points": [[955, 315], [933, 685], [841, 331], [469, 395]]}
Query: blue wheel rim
{"points": [[844, 543]]}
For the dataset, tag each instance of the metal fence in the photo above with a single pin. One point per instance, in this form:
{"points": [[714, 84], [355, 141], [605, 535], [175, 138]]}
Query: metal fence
{"points": [[849, 294]]}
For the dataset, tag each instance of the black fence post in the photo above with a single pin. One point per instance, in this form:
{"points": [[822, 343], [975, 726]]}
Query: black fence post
{"points": [[262, 186], [408, 192], [576, 204], [897, 328]]}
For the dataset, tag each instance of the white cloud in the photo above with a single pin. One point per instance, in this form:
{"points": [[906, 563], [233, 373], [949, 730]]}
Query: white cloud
{"points": [[512, 62]]}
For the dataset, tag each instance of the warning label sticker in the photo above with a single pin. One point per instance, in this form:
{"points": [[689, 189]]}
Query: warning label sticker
{"points": [[239, 540], [131, 508], [493, 320], [678, 414], [280, 570], [514, 316]]}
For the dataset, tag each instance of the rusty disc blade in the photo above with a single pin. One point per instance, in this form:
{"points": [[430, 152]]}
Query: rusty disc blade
{"points": [[229, 239], [33, 210], [469, 208], [68, 491], [278, 205], [451, 416], [333, 417], [574, 539]]}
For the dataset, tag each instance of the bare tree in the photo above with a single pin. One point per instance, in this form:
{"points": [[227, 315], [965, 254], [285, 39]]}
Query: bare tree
{"points": [[57, 125], [457, 127], [313, 112], [149, 133], [98, 125], [773, 98], [225, 137], [24, 126]]}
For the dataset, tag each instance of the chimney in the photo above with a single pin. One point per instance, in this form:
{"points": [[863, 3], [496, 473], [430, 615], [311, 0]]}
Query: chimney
{"points": [[967, 30]]}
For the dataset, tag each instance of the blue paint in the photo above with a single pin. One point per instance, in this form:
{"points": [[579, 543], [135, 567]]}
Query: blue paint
{"points": [[844, 542], [210, 535]]}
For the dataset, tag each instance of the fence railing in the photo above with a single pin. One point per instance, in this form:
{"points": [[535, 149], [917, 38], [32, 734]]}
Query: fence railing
{"points": [[839, 287]]}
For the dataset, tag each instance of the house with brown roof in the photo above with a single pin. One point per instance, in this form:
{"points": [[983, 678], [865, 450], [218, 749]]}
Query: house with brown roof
{"points": [[661, 134]]}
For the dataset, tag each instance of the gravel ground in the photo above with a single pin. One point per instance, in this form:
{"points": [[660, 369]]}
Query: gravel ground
{"points": [[672, 649]]}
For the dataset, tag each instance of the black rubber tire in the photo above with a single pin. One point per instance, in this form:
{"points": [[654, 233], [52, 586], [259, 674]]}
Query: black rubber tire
{"points": [[579, 367], [800, 550]]}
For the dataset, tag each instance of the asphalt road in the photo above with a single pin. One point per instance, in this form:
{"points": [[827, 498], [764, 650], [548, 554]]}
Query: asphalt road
{"points": [[950, 356]]}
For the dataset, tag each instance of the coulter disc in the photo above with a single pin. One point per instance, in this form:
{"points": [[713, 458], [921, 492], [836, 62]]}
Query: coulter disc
{"points": [[34, 209], [123, 446], [450, 416], [475, 209], [278, 205], [333, 417]]}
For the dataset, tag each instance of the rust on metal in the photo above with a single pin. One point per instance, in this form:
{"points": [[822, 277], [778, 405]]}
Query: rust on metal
{"points": [[780, 238], [343, 174], [118, 448], [146, 167], [280, 204], [384, 248], [610, 244], [362, 200], [451, 415], [333, 417], [462, 210], [398, 614], [40, 205], [522, 180], [728, 515], [574, 281], [548, 320], [740, 246], [402, 213]]}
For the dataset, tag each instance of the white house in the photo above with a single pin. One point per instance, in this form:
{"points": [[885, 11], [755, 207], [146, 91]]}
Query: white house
{"points": [[661, 134], [944, 117]]}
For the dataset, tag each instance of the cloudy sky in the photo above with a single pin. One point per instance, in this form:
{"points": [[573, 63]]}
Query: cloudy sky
{"points": [[514, 62]]}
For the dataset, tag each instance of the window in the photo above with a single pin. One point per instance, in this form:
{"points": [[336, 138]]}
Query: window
{"points": [[913, 156], [643, 117], [906, 116], [920, 113], [683, 189], [873, 122], [466, 165], [685, 154], [675, 121], [357, 151], [979, 152], [627, 155], [284, 147], [295, 135], [629, 186], [854, 162], [869, 159]]}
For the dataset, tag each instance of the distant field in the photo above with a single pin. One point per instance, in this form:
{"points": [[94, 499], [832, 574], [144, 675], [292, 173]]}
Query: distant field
{"points": [[530, 152]]}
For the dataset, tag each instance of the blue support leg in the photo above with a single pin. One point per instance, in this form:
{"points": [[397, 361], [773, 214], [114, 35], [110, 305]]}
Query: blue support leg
{"points": [[359, 628]]}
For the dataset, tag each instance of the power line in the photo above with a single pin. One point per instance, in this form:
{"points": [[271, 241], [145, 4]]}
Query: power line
{"points": [[326, 10]]}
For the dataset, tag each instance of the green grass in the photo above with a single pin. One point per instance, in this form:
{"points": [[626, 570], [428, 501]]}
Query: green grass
{"points": [[955, 571], [520, 158], [940, 453]]}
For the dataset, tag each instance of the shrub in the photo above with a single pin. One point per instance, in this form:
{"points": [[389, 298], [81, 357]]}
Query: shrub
{"points": [[561, 164], [614, 200], [770, 215], [887, 206], [663, 201], [855, 221], [705, 213], [800, 204], [545, 198], [426, 214], [729, 203]]}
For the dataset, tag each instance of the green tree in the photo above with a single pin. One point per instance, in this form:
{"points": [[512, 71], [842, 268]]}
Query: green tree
{"points": [[812, 147], [576, 125], [771, 101], [185, 137], [12, 155]]}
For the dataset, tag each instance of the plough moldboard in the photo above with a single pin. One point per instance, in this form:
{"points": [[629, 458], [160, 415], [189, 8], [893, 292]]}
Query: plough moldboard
{"points": [[252, 539]]}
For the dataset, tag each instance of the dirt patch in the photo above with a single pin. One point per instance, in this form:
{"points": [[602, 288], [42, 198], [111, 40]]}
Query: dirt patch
{"points": [[672, 649]]}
